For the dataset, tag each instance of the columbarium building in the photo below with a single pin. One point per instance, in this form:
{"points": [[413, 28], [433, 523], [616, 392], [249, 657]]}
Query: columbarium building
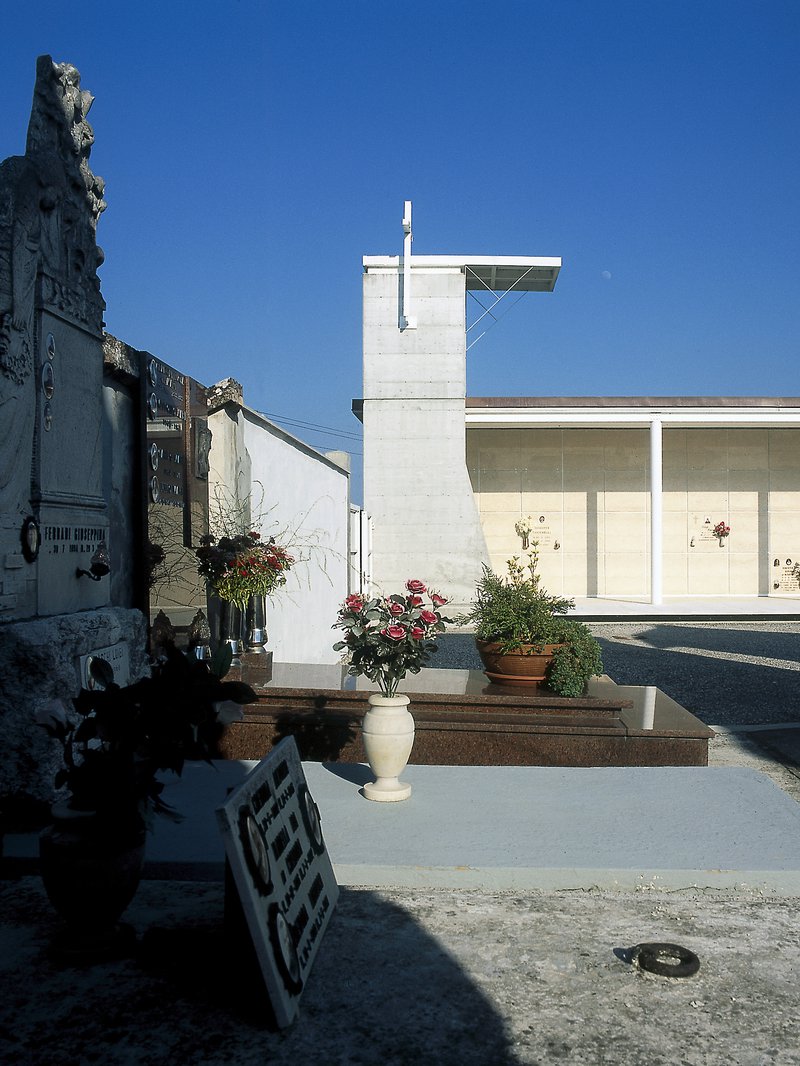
{"points": [[635, 498]]}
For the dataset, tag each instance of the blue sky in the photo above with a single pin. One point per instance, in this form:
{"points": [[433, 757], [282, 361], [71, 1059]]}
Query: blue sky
{"points": [[253, 152]]}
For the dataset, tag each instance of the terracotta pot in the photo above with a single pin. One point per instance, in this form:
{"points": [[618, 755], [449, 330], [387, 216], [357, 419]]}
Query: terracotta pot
{"points": [[522, 668]]}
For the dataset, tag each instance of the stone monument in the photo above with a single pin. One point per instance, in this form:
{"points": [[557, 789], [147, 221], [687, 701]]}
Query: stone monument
{"points": [[51, 357], [55, 550]]}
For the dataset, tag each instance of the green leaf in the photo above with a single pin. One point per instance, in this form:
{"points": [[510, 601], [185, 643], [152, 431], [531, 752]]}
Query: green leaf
{"points": [[238, 691], [221, 660]]}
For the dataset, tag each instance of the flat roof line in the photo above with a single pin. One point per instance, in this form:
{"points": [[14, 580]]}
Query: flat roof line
{"points": [[464, 260], [631, 401]]}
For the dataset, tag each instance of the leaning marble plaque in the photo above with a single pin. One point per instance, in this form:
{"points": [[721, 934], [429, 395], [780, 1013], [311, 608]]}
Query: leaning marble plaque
{"points": [[284, 878]]}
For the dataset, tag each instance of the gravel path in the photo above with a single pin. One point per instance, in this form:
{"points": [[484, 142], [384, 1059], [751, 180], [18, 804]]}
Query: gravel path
{"points": [[728, 674], [419, 977]]}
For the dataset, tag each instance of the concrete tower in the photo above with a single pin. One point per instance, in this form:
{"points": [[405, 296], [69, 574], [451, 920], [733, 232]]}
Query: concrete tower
{"points": [[416, 486]]}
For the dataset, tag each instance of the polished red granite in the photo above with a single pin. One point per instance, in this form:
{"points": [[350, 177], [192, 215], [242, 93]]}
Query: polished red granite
{"points": [[462, 719]]}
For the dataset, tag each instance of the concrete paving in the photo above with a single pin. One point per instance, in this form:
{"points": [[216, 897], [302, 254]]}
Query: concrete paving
{"points": [[516, 827], [501, 828]]}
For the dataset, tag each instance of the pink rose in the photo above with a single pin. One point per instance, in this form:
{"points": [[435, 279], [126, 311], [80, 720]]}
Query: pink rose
{"points": [[428, 617], [354, 603], [414, 601], [417, 632], [395, 608], [394, 632], [415, 586], [438, 601]]}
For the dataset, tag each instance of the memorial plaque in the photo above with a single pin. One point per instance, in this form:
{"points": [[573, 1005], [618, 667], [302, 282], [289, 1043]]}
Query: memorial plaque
{"points": [[165, 407], [701, 533], [283, 876], [117, 656], [69, 539], [786, 573], [177, 445], [542, 531]]}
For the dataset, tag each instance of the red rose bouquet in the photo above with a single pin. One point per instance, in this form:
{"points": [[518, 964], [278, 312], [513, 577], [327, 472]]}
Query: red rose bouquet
{"points": [[242, 566], [386, 638]]}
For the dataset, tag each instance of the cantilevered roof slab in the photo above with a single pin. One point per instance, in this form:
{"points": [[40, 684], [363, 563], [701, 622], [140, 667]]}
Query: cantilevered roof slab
{"points": [[496, 273], [519, 412]]}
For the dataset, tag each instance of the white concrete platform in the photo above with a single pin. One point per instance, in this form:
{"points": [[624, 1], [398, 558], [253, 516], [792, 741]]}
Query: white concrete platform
{"points": [[510, 828], [753, 608]]}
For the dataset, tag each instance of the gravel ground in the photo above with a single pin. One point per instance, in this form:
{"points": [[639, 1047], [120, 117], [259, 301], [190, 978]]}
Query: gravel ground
{"points": [[727, 674], [425, 977]]}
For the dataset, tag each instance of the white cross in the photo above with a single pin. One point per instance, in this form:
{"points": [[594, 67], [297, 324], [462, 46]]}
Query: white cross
{"points": [[407, 320]]}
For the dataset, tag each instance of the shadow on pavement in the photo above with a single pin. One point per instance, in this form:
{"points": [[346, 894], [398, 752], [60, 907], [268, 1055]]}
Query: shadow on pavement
{"points": [[382, 990]]}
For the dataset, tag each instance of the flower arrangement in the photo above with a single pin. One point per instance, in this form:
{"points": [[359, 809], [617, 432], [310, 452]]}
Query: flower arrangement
{"points": [[523, 530], [721, 529], [120, 737], [385, 638], [241, 566]]}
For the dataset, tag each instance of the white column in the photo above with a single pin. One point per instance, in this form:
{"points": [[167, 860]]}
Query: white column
{"points": [[656, 513]]}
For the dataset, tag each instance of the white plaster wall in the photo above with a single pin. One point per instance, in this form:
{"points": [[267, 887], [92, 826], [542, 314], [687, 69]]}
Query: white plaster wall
{"points": [[305, 504], [425, 524], [120, 485]]}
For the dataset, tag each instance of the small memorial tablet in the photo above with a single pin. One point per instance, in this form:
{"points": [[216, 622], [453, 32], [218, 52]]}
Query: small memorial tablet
{"points": [[283, 876]]}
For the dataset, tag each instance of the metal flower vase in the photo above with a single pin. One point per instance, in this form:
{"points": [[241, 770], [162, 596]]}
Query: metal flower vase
{"points": [[231, 620], [387, 734], [256, 624]]}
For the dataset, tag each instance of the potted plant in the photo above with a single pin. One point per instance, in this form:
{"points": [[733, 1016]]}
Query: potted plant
{"points": [[523, 636], [384, 639], [115, 741]]}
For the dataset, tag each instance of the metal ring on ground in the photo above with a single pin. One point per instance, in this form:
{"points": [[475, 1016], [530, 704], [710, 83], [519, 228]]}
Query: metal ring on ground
{"points": [[653, 958]]}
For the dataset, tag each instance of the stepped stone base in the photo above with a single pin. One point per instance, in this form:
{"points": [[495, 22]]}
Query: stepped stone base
{"points": [[474, 723]]}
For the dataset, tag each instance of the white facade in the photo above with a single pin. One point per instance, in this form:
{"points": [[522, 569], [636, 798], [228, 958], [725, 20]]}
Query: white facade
{"points": [[623, 499], [302, 498], [624, 493]]}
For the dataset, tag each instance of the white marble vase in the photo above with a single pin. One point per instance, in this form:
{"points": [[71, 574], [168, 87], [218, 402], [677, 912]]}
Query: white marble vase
{"points": [[387, 733]]}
